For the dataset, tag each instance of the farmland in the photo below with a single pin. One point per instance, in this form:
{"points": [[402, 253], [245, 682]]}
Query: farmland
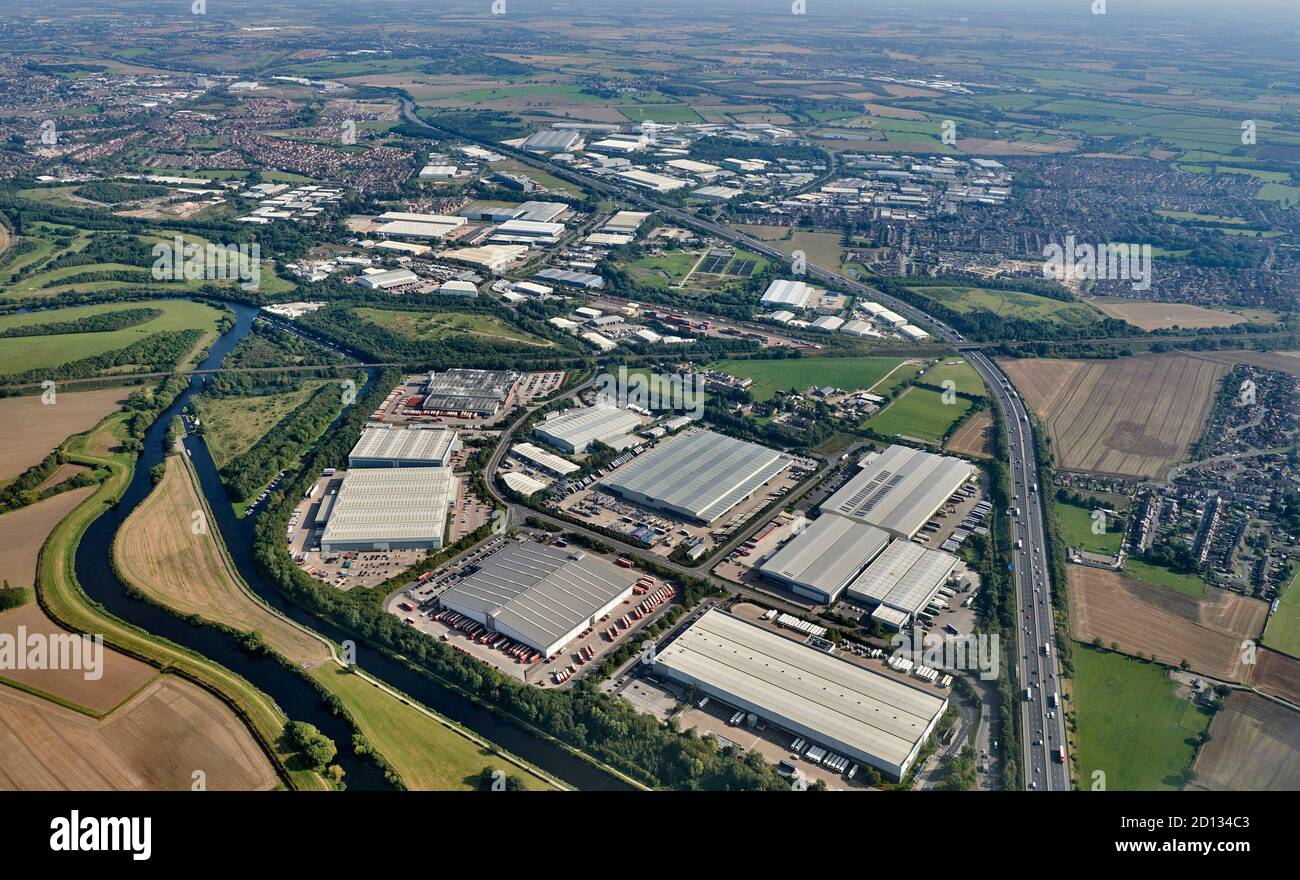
{"points": [[919, 413], [965, 379], [1162, 315], [1254, 746], [1146, 621], [18, 353], [153, 743], [803, 373], [23, 531], [1159, 576], [1283, 632], [36, 428], [1132, 724], [973, 437], [1134, 416]]}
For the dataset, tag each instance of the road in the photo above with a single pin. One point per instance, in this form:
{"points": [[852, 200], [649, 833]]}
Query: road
{"points": [[1043, 726]]}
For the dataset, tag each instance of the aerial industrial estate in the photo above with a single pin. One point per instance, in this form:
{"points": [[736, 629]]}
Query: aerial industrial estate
{"points": [[650, 399]]}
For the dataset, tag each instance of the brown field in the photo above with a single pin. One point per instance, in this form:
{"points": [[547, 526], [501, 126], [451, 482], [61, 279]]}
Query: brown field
{"points": [[972, 438], [154, 743], [122, 676], [23, 531], [1146, 620], [1254, 746], [34, 429], [1134, 416], [157, 552], [1282, 361], [1277, 674], [1162, 316], [61, 473]]}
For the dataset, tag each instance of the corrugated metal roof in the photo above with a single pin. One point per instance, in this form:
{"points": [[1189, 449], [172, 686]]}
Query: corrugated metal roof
{"points": [[906, 576], [391, 504], [403, 444], [827, 554], [578, 427], [899, 489]]}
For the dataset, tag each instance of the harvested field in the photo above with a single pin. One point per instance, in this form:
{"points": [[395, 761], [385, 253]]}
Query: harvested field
{"points": [[61, 473], [1144, 620], [34, 429], [157, 552], [1162, 316], [23, 531], [1254, 746], [1277, 674], [1282, 361], [154, 743], [1133, 417], [121, 677], [973, 437]]}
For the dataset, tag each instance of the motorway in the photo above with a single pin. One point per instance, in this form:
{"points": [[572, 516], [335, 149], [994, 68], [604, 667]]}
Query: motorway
{"points": [[1043, 727]]}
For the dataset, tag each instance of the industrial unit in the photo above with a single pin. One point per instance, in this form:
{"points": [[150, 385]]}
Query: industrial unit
{"points": [[390, 509], [794, 294], [899, 489], [393, 446], [821, 560], [480, 392], [700, 475], [539, 457], [390, 279], [539, 595], [574, 430], [871, 717], [901, 582]]}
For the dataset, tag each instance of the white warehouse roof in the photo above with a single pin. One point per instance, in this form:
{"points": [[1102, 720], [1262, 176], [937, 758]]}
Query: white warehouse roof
{"points": [[866, 715], [787, 293], [548, 461], [905, 577], [575, 430], [391, 506], [822, 559], [699, 474], [395, 446], [899, 489]]}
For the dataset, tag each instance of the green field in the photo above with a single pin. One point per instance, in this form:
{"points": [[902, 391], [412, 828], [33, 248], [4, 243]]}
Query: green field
{"points": [[1076, 530], [1158, 576], [1131, 726], [1283, 630], [1011, 304], [438, 325], [920, 413], [802, 373], [963, 376], [231, 425], [21, 353], [666, 113], [1277, 192], [661, 270]]}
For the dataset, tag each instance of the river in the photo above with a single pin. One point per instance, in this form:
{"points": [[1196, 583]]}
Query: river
{"points": [[298, 698]]}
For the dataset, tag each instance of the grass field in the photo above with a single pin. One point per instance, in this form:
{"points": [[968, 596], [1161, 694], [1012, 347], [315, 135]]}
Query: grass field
{"points": [[1159, 576], [663, 269], [802, 373], [232, 425], [1131, 724], [920, 413], [437, 325], [1283, 631], [964, 377], [1011, 304], [1133, 416], [1076, 530], [22, 353]]}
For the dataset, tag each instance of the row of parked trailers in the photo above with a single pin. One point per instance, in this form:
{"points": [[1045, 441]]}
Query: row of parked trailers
{"points": [[803, 626], [378, 414], [827, 759], [477, 632]]}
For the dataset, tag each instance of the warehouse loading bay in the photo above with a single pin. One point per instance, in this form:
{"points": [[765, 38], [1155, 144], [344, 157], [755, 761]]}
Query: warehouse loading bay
{"points": [[367, 568], [417, 605], [664, 532]]}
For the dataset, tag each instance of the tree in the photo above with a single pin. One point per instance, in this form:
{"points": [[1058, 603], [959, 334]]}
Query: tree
{"points": [[315, 747]]}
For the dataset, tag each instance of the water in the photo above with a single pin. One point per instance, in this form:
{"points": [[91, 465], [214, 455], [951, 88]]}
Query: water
{"points": [[296, 697]]}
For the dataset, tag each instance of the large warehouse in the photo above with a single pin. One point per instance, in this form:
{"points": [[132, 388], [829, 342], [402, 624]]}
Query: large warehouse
{"points": [[480, 392], [901, 582], [866, 716], [541, 596], [574, 430], [898, 490], [390, 509], [821, 560], [392, 446], [794, 294], [699, 475]]}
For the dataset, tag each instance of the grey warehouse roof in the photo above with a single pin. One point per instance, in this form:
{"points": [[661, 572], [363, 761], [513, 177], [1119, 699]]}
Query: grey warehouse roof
{"points": [[391, 504], [405, 444], [899, 489], [845, 705], [541, 592], [827, 554], [906, 576], [579, 427], [700, 473]]}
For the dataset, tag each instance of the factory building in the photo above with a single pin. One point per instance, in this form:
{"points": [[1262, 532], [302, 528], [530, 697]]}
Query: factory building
{"points": [[539, 595], [389, 280], [393, 446], [648, 180], [539, 457], [868, 716], [699, 475], [574, 430], [390, 509], [823, 558], [552, 142], [900, 489], [793, 294], [482, 393], [625, 222], [582, 280], [901, 582]]}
